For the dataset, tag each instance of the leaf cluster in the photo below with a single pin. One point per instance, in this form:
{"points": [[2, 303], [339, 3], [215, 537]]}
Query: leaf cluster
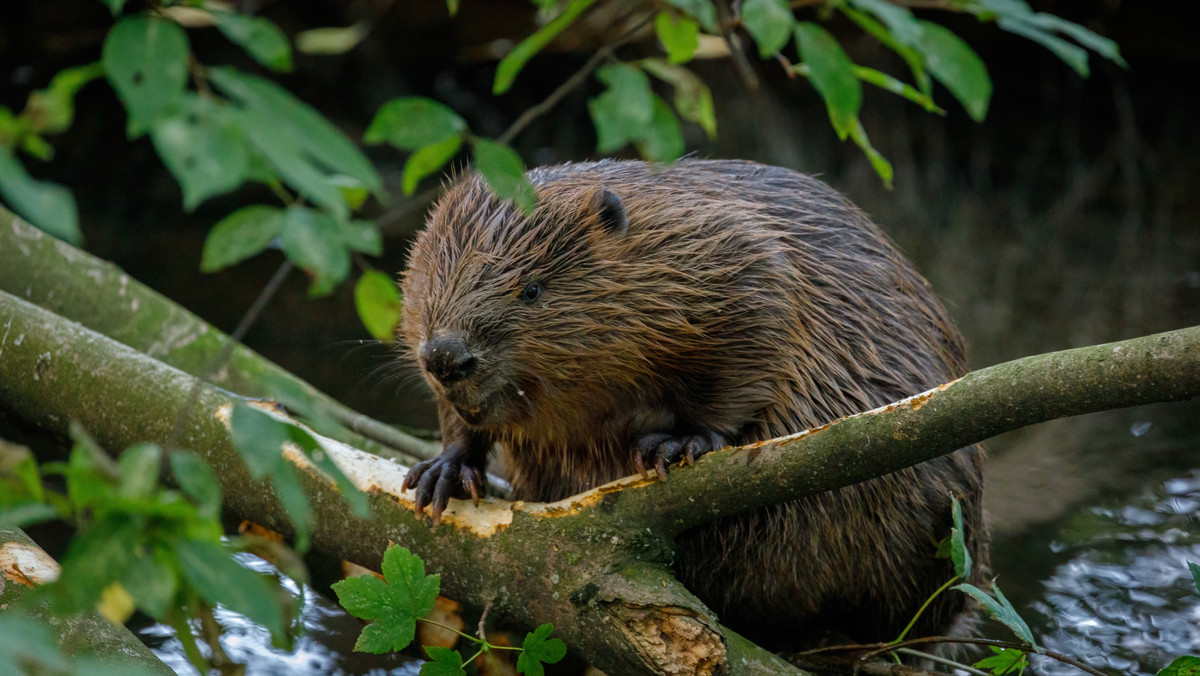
{"points": [[138, 545], [393, 605]]}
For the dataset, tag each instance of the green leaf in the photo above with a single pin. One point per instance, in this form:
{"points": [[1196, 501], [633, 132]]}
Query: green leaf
{"points": [[832, 74], [331, 40], [1187, 665], [662, 141], [511, 65], [286, 482], [139, 466], [20, 514], [693, 99], [312, 240], [679, 34], [413, 122], [19, 476], [428, 160], [198, 482], [700, 10], [353, 192], [1000, 609], [769, 22], [49, 206], [240, 235], [97, 556], [308, 129], [393, 607], [36, 146], [452, 6], [504, 172], [1195, 574], [540, 649], [145, 59], [27, 641], [203, 148], [1003, 661], [878, 162], [114, 5], [1074, 56], [349, 492], [897, 87], [1097, 43], [443, 662], [378, 302], [911, 56], [288, 159], [623, 111], [958, 67], [212, 571], [53, 109], [899, 20], [261, 38], [260, 439], [362, 236], [958, 542], [152, 579]]}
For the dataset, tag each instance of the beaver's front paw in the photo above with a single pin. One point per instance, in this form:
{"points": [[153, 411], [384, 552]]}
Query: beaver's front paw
{"points": [[660, 449], [454, 473]]}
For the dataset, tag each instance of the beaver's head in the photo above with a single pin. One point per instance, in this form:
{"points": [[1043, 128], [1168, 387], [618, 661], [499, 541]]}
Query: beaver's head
{"points": [[516, 319]]}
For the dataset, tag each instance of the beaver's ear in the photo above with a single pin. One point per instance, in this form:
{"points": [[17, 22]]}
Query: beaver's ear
{"points": [[610, 211]]}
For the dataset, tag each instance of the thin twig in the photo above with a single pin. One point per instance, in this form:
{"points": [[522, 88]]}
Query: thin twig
{"points": [[577, 79], [235, 339], [483, 621], [873, 649], [942, 660]]}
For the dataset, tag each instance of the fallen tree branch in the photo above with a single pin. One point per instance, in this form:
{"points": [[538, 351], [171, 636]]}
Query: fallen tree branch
{"points": [[978, 406], [76, 285], [24, 565], [610, 593], [596, 564]]}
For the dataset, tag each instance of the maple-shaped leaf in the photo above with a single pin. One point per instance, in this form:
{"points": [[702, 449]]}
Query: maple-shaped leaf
{"points": [[539, 649], [392, 605], [442, 662]]}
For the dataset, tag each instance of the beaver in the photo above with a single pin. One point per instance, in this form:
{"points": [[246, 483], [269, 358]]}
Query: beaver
{"points": [[647, 314]]}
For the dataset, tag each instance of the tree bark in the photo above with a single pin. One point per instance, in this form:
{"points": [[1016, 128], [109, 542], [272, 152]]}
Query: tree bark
{"points": [[23, 565], [595, 564]]}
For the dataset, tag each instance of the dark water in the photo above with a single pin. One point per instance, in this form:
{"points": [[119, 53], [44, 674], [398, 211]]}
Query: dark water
{"points": [[1121, 595], [325, 646]]}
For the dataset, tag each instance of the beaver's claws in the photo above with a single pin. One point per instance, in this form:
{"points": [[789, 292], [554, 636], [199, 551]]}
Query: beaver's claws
{"points": [[660, 449], [451, 474]]}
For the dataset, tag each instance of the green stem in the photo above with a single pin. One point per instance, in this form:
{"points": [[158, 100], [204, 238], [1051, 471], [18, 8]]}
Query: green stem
{"points": [[183, 631], [925, 605], [466, 636], [471, 658]]}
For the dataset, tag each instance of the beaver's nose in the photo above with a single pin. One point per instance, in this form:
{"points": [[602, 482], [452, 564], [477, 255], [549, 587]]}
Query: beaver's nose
{"points": [[448, 359]]}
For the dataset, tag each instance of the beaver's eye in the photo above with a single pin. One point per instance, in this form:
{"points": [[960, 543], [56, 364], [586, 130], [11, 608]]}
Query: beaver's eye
{"points": [[531, 292]]}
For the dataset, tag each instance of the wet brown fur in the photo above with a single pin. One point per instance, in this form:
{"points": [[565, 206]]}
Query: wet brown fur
{"points": [[745, 300]]}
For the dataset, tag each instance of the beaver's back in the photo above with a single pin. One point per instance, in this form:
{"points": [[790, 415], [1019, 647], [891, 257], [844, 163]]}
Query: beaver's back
{"points": [[834, 321]]}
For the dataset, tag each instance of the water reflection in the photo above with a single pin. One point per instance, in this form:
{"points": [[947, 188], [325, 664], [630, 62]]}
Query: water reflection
{"points": [[325, 648], [1122, 598]]}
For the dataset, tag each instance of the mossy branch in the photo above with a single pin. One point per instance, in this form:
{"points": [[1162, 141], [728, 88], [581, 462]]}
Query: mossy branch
{"points": [[610, 593], [23, 565], [76, 285], [980, 405]]}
